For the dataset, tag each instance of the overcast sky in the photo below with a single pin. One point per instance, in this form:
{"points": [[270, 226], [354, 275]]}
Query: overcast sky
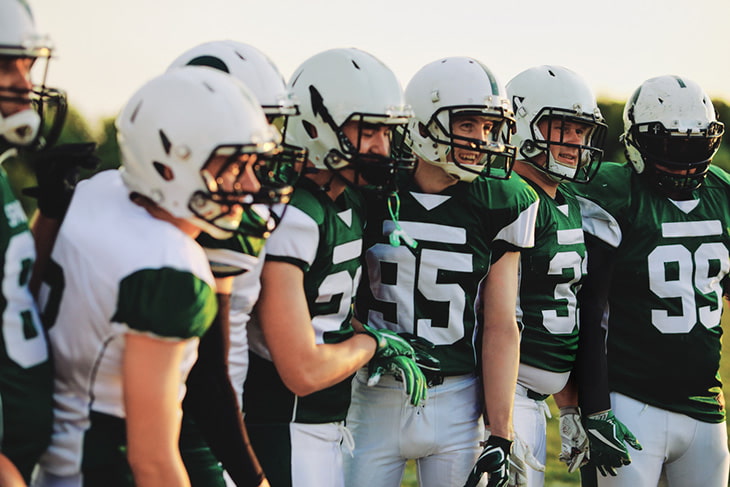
{"points": [[106, 49]]}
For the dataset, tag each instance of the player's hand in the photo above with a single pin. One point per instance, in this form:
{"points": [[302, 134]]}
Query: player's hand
{"points": [[423, 349], [394, 355], [494, 461], [608, 438], [58, 170], [414, 382], [521, 458], [575, 446]]}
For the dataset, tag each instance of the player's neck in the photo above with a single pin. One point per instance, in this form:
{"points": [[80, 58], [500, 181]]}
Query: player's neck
{"points": [[432, 179], [185, 226], [534, 175]]}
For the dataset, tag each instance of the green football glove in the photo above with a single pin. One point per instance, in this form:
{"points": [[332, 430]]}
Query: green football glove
{"points": [[396, 356], [494, 461], [607, 436]]}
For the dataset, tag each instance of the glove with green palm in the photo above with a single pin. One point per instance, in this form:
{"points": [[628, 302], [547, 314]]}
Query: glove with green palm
{"points": [[396, 356]]}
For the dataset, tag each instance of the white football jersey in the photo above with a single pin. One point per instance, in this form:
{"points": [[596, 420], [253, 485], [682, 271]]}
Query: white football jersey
{"points": [[115, 270]]}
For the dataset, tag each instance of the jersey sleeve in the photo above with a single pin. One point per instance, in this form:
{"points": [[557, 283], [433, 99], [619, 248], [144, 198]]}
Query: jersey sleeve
{"points": [[295, 239], [604, 200], [510, 213], [232, 256], [166, 302]]}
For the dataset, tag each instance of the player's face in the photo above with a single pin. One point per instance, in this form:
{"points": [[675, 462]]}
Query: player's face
{"points": [[373, 138], [15, 83], [237, 176], [566, 132], [678, 171], [473, 127]]}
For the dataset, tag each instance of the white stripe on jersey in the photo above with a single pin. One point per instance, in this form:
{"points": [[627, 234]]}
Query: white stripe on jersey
{"points": [[570, 237], [304, 246], [691, 229], [347, 251], [521, 232], [428, 232]]}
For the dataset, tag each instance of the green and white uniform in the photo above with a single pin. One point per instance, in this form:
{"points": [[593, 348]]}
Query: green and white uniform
{"points": [[547, 310], [672, 261], [26, 377], [115, 270], [432, 291], [323, 238]]}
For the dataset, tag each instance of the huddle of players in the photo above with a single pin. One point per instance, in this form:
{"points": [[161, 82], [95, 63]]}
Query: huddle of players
{"points": [[359, 230]]}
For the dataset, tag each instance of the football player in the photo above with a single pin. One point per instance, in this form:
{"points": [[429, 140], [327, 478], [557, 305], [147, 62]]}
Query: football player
{"points": [[212, 408], [446, 246], [303, 350], [25, 369], [658, 268], [130, 291], [559, 138]]}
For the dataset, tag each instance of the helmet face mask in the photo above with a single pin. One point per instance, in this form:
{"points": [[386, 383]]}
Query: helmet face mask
{"points": [[548, 137], [374, 170], [21, 48], [493, 157], [671, 134]]}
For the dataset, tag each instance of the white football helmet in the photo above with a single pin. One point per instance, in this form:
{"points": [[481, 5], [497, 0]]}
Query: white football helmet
{"points": [[342, 85], [19, 39], [182, 136], [557, 94], [455, 86], [254, 69], [671, 132]]}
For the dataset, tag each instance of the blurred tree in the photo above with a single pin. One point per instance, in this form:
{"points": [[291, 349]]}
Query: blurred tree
{"points": [[75, 129], [108, 150]]}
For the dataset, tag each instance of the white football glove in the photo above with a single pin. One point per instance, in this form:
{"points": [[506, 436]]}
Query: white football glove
{"points": [[521, 458], [574, 450]]}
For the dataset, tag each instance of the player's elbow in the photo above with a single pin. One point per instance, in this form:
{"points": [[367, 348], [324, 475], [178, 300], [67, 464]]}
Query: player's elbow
{"points": [[301, 382], [153, 466], [301, 379]]}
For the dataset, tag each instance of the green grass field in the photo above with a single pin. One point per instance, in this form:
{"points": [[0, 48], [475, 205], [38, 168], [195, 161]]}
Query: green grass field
{"points": [[556, 474]]}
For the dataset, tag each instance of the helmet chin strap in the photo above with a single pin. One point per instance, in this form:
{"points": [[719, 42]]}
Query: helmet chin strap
{"points": [[20, 128]]}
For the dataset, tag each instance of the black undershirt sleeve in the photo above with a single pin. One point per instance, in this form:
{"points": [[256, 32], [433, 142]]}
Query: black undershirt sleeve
{"points": [[590, 368], [211, 403]]}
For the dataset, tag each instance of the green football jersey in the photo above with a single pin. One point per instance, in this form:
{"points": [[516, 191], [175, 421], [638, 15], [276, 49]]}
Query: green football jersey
{"points": [[26, 378], [323, 238], [671, 267], [432, 290], [550, 276]]}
